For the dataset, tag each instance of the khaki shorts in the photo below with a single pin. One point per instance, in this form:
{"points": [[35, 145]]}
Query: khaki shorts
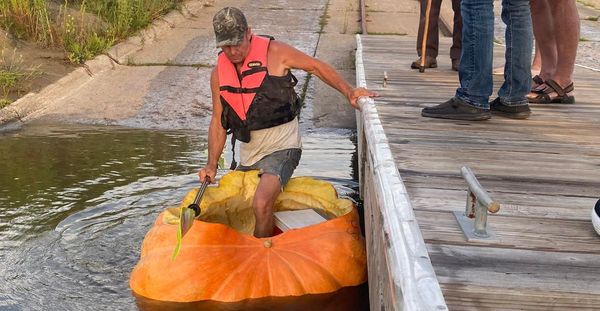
{"points": [[279, 163]]}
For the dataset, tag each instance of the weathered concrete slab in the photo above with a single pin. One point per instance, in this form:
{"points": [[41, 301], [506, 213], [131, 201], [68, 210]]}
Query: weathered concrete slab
{"points": [[336, 47], [192, 42], [393, 17], [159, 97]]}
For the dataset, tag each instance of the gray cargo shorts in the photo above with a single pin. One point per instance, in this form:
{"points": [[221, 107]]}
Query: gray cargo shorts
{"points": [[279, 163]]}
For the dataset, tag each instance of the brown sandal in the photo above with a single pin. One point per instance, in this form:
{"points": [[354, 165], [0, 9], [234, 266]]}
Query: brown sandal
{"points": [[536, 88], [550, 86], [538, 81]]}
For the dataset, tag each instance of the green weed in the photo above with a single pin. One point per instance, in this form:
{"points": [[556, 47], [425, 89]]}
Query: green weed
{"points": [[13, 75], [87, 48], [27, 19], [81, 42], [4, 102]]}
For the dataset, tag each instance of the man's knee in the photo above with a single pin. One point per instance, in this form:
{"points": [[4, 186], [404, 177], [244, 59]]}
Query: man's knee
{"points": [[265, 196], [263, 205]]}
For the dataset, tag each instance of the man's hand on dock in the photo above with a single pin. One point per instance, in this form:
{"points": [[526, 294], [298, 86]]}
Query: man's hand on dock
{"points": [[359, 92]]}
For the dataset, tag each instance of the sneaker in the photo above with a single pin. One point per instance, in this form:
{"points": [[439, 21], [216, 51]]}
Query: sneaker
{"points": [[458, 110], [430, 62], [596, 217], [513, 112]]}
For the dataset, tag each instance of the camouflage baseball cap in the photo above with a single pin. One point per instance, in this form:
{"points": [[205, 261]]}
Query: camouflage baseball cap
{"points": [[230, 26]]}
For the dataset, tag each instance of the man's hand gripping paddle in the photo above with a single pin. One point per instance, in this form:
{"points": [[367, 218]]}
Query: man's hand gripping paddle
{"points": [[187, 215]]}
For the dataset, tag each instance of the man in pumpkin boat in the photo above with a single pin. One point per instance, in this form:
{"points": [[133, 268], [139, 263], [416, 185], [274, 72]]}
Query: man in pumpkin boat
{"points": [[253, 98]]}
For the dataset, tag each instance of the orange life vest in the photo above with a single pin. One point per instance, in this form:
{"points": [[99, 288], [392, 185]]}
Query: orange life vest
{"points": [[255, 100]]}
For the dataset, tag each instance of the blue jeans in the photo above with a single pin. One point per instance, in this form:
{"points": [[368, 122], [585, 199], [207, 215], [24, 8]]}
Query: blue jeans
{"points": [[475, 72]]}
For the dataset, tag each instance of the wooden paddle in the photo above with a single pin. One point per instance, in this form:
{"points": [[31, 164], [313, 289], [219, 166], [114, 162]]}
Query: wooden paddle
{"points": [[187, 216]]}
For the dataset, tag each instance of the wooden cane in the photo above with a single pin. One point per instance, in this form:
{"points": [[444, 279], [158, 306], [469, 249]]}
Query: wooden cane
{"points": [[425, 35]]}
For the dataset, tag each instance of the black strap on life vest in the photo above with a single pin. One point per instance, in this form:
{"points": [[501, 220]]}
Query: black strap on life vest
{"points": [[233, 162], [238, 90], [252, 71]]}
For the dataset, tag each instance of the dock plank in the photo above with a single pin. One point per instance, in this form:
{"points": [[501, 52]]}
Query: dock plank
{"points": [[542, 234], [516, 268], [469, 297]]}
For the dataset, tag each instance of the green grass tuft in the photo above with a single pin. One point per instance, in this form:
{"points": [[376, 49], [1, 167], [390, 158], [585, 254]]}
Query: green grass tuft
{"points": [[4, 102], [13, 75], [27, 19]]}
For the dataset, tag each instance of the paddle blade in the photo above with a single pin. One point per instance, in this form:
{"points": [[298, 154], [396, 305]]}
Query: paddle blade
{"points": [[186, 221]]}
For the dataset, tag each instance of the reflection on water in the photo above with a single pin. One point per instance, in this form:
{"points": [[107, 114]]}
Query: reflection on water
{"points": [[47, 172], [76, 202], [346, 299], [75, 205]]}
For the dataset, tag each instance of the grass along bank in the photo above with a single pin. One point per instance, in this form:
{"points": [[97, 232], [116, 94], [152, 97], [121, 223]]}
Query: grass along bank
{"points": [[14, 75], [81, 29]]}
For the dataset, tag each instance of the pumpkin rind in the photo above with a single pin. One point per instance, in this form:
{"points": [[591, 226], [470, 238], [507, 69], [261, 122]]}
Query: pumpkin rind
{"points": [[217, 262]]}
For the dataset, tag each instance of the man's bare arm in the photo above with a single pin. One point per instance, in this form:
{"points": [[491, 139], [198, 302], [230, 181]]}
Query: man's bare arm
{"points": [[292, 58], [216, 133]]}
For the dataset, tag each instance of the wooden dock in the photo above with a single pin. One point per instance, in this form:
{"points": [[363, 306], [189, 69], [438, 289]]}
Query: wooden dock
{"points": [[545, 172]]}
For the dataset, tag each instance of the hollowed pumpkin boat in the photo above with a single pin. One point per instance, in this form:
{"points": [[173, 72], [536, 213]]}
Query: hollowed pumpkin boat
{"points": [[220, 260]]}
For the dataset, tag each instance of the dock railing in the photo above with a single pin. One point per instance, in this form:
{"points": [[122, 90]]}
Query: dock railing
{"points": [[401, 276]]}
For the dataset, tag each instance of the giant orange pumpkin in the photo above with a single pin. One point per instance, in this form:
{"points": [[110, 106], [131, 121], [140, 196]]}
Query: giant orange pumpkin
{"points": [[221, 260]]}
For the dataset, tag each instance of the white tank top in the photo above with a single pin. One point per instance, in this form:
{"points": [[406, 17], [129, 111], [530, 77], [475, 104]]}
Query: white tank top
{"points": [[266, 141]]}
